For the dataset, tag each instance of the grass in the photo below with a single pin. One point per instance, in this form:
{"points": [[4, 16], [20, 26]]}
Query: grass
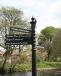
{"points": [[49, 65]]}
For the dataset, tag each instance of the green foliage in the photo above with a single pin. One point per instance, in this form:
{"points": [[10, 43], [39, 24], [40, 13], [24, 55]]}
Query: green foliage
{"points": [[41, 39], [41, 55], [28, 67], [48, 32], [23, 67], [23, 58], [46, 35], [56, 44], [18, 68]]}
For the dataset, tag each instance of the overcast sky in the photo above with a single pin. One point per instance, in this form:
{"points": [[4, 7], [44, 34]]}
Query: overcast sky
{"points": [[47, 12]]}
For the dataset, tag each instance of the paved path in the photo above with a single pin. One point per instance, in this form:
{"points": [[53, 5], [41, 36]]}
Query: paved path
{"points": [[50, 69]]}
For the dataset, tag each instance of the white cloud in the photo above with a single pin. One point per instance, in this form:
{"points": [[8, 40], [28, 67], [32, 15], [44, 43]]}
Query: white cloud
{"points": [[54, 14], [41, 3], [54, 9]]}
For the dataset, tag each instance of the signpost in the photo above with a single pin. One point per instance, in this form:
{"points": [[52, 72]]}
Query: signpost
{"points": [[33, 23], [27, 38]]}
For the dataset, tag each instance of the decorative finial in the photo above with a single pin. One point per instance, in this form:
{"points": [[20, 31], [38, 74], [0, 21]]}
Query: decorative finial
{"points": [[33, 20]]}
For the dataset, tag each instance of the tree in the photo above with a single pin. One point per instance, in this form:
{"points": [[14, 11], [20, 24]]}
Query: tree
{"points": [[56, 44], [46, 35], [11, 17], [45, 38]]}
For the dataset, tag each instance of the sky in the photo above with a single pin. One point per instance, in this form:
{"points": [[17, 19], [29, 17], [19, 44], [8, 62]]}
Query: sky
{"points": [[46, 12]]}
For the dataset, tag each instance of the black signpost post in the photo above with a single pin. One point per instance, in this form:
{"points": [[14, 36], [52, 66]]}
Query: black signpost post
{"points": [[27, 38], [33, 23]]}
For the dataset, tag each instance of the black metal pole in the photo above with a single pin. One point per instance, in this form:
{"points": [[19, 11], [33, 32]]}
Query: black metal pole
{"points": [[33, 23]]}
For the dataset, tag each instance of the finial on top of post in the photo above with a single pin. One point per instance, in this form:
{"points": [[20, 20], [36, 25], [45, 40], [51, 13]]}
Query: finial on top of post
{"points": [[33, 20]]}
